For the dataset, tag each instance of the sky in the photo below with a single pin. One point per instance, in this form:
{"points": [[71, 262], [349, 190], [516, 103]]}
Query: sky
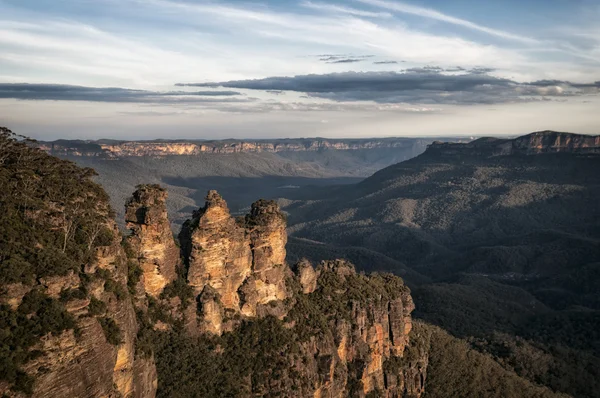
{"points": [[143, 69]]}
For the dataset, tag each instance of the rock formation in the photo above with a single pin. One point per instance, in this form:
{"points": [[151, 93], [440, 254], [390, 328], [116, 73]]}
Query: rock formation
{"points": [[242, 261], [70, 281], [151, 238], [68, 326], [103, 368]]}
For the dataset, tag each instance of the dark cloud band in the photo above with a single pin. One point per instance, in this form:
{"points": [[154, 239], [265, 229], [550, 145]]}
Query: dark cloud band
{"points": [[26, 91], [417, 85]]}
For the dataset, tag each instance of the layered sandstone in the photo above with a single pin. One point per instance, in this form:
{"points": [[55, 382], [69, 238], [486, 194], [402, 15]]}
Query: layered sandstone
{"points": [[151, 238]]}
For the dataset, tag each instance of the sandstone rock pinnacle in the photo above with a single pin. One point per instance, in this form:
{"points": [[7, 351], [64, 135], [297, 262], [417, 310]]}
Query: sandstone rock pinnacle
{"points": [[242, 260], [151, 237]]}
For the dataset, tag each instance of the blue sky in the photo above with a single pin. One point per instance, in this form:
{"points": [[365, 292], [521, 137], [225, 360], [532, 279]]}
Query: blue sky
{"points": [[216, 69]]}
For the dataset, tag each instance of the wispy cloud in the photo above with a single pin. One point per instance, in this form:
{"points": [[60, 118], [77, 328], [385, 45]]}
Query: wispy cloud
{"points": [[62, 92], [433, 14], [344, 10]]}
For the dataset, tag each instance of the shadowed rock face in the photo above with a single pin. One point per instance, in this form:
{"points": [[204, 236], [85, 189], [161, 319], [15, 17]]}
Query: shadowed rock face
{"points": [[151, 238]]}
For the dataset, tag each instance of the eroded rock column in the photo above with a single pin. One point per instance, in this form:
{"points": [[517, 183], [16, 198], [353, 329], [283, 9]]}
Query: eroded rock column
{"points": [[151, 237]]}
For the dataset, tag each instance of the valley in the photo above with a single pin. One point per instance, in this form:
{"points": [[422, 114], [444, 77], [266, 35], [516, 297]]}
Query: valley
{"points": [[499, 241], [470, 267], [240, 170]]}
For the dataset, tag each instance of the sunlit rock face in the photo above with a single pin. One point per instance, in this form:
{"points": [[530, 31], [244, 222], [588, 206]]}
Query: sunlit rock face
{"points": [[241, 260], [362, 348], [217, 250], [151, 237]]}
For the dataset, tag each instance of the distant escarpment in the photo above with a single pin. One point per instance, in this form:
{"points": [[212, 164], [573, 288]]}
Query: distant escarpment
{"points": [[120, 149], [534, 143]]}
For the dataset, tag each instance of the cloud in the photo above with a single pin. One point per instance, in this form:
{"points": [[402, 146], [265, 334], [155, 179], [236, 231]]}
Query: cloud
{"points": [[345, 61], [427, 85], [385, 62], [344, 10], [63, 92], [433, 14], [343, 58]]}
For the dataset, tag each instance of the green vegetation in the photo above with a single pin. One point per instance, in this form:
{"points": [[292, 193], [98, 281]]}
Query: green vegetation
{"points": [[96, 307], [490, 246], [335, 296], [456, 370], [111, 330], [53, 219], [179, 288], [249, 361]]}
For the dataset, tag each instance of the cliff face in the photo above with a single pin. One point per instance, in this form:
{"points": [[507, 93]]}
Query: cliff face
{"points": [[554, 142], [348, 331], [67, 325], [162, 148], [535, 143], [151, 238]]}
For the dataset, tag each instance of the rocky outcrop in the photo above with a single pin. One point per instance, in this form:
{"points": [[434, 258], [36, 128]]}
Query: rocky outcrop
{"points": [[237, 270], [151, 238], [241, 260], [531, 144], [217, 251], [307, 276]]}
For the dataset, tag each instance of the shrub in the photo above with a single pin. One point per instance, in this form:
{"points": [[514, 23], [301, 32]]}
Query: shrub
{"points": [[112, 332]]}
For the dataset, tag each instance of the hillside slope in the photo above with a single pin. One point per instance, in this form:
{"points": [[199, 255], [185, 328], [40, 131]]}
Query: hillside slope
{"points": [[241, 170], [508, 233]]}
